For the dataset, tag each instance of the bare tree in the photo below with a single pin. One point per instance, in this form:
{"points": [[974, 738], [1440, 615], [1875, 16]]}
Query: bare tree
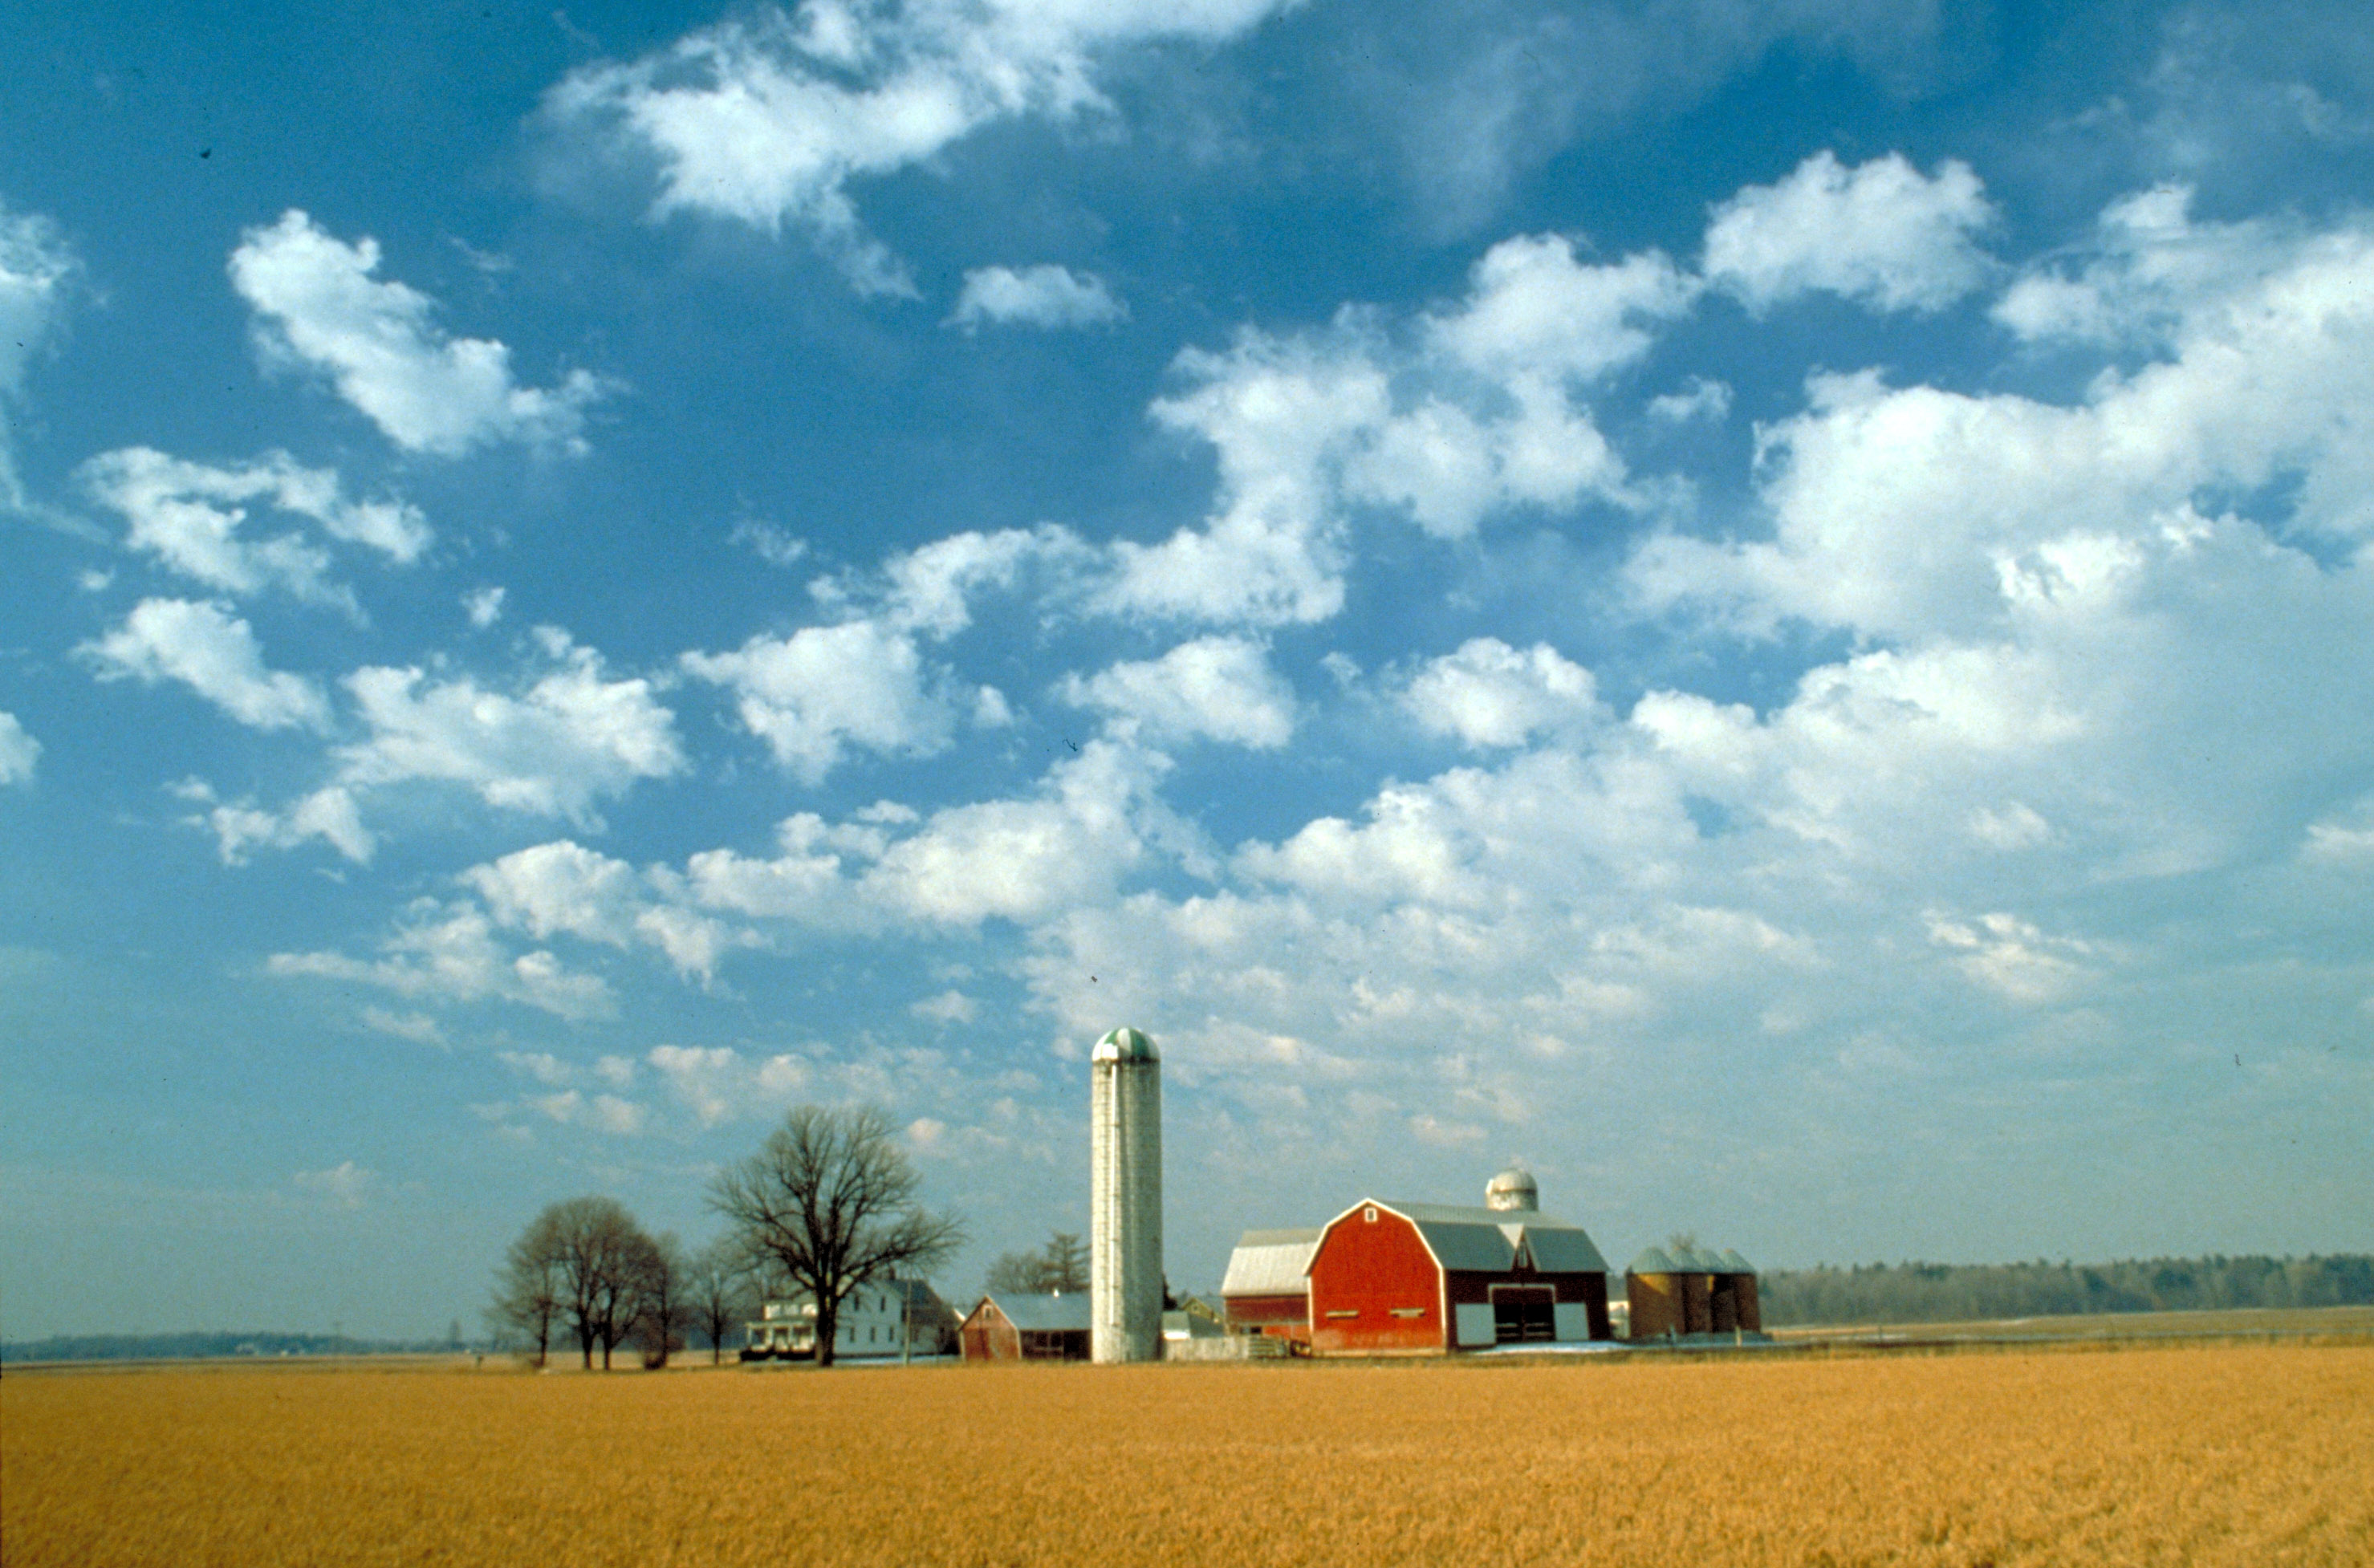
{"points": [[829, 1203], [717, 1287], [1061, 1266], [599, 1252], [528, 1290], [663, 1303]]}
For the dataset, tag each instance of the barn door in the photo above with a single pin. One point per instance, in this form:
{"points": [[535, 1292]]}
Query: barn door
{"points": [[1522, 1312]]}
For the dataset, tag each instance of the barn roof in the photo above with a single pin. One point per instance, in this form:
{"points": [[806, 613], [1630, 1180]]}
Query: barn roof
{"points": [[1485, 1241], [1043, 1314], [1270, 1263]]}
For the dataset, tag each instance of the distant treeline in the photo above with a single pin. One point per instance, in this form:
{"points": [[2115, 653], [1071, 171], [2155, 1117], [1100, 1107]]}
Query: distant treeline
{"points": [[1937, 1293], [194, 1346]]}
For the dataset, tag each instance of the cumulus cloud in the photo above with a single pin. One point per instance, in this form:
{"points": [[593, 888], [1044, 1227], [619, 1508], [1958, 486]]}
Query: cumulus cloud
{"points": [[1882, 234], [718, 1083], [603, 1113], [1219, 688], [1472, 410], [565, 888], [18, 751], [1046, 296], [770, 118], [241, 828], [38, 273], [1489, 694], [449, 954], [191, 517], [212, 652], [484, 606], [571, 737], [2012, 956], [378, 341], [1093, 820], [815, 694]]}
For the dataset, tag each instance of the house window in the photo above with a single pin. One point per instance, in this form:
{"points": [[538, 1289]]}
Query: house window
{"points": [[1368, 1215]]}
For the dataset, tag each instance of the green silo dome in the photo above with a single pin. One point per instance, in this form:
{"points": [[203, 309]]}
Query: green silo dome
{"points": [[1126, 1044], [1654, 1261]]}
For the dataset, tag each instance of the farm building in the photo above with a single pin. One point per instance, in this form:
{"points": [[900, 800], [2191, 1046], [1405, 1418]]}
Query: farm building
{"points": [[879, 1319], [1406, 1279], [1267, 1290], [1689, 1290], [1028, 1328]]}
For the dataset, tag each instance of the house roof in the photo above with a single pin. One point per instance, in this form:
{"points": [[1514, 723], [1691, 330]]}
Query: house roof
{"points": [[1043, 1314], [1270, 1263], [1485, 1241]]}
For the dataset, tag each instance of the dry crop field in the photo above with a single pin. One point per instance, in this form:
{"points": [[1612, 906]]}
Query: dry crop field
{"points": [[2254, 1454]]}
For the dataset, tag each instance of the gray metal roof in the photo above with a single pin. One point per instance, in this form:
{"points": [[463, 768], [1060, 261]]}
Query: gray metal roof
{"points": [[1690, 1260], [1270, 1263], [1044, 1315], [1485, 1240]]}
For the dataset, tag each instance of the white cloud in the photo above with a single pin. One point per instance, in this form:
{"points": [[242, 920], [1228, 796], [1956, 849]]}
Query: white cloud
{"points": [[347, 1184], [1046, 296], [565, 888], [319, 306], [2012, 958], [417, 1027], [572, 738], [213, 652], [38, 273], [1219, 688], [1467, 412], [190, 515], [766, 119], [1535, 308], [1916, 511], [543, 1066], [1882, 233], [484, 606], [769, 542], [242, 827], [1489, 694], [823, 689], [1703, 399], [448, 954], [1021, 860], [603, 1113], [930, 588], [950, 1007], [18, 751], [718, 1083]]}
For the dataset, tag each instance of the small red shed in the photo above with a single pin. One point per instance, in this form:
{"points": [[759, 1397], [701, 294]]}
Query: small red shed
{"points": [[1027, 1327]]}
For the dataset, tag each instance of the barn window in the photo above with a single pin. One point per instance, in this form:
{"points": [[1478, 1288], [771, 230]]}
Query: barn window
{"points": [[1344, 1311], [1369, 1214], [1409, 1312]]}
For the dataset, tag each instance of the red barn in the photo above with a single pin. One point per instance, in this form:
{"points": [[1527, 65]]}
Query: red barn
{"points": [[1409, 1278]]}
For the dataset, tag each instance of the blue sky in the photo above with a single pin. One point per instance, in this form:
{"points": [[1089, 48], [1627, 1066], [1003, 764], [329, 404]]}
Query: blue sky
{"points": [[1765, 610]]}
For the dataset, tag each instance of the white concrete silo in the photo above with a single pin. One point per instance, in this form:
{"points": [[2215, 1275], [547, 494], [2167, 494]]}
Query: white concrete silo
{"points": [[1125, 1198]]}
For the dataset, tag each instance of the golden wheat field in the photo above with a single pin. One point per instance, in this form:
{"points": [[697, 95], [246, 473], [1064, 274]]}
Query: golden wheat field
{"points": [[2203, 1455]]}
